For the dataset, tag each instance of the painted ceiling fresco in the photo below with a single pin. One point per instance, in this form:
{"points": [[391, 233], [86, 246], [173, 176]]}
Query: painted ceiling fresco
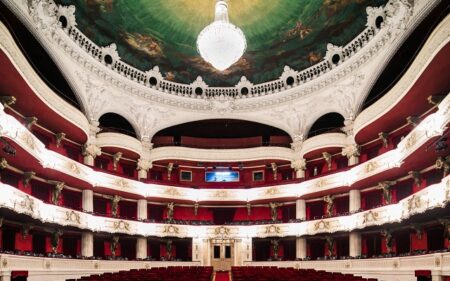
{"points": [[164, 32]]}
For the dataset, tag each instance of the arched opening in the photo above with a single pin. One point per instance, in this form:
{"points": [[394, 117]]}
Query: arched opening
{"points": [[112, 122], [222, 133], [405, 56], [38, 57], [328, 123]]}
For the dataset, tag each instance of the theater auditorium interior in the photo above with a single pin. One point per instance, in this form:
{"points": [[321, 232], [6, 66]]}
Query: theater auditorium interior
{"points": [[224, 140]]}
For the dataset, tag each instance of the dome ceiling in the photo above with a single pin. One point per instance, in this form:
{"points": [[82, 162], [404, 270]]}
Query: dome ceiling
{"points": [[163, 33]]}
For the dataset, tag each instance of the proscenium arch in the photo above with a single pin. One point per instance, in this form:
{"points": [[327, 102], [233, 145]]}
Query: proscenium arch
{"points": [[327, 122], [115, 122]]}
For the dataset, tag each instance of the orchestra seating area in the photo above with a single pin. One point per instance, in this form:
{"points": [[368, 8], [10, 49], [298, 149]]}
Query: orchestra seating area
{"points": [[171, 273], [272, 273]]}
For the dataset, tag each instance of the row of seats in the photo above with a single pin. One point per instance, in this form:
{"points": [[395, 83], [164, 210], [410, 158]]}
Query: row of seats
{"points": [[273, 273], [171, 273]]}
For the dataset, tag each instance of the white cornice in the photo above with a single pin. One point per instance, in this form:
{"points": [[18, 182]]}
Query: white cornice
{"points": [[434, 196], [432, 126]]}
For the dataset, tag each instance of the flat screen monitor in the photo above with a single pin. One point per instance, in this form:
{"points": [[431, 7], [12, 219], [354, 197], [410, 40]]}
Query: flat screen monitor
{"points": [[222, 176]]}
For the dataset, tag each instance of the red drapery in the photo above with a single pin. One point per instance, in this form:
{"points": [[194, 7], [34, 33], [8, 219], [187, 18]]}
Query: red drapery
{"points": [[48, 245], [108, 249], [163, 250], [187, 213], [257, 213], [24, 243], [419, 244]]}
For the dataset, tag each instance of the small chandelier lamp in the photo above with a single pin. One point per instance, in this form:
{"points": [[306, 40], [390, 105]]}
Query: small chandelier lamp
{"points": [[221, 43]]}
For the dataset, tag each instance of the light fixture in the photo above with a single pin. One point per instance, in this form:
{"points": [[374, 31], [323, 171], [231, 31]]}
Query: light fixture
{"points": [[221, 43]]}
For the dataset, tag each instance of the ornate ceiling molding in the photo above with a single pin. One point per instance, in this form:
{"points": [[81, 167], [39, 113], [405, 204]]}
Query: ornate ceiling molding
{"points": [[179, 102]]}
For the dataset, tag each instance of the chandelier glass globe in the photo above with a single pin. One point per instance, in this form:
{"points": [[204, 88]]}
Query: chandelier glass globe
{"points": [[221, 43]]}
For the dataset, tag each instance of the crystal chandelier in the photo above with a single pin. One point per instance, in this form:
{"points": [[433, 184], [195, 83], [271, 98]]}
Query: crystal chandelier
{"points": [[221, 43]]}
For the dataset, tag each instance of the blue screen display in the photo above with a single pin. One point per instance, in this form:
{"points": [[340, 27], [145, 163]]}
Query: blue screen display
{"points": [[222, 176]]}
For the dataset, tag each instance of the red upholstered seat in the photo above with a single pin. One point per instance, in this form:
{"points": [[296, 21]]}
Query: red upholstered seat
{"points": [[265, 273], [155, 274]]}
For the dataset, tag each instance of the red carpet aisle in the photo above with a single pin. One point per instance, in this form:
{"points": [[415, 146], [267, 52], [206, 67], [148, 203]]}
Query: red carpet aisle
{"points": [[222, 276]]}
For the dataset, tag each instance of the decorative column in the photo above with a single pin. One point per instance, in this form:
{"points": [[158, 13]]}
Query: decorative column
{"points": [[90, 150], [299, 166], [143, 166], [354, 201], [354, 237], [5, 276], [88, 201], [355, 244], [87, 238], [142, 209], [352, 153], [300, 209], [141, 248], [87, 244], [301, 248], [300, 214]]}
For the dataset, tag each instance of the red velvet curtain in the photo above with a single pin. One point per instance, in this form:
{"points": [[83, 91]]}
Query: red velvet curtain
{"points": [[108, 249], [257, 213], [48, 245], [187, 213], [24, 243]]}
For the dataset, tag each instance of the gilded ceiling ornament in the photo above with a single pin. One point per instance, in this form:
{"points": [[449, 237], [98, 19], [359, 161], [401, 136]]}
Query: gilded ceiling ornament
{"points": [[222, 104], [222, 231], [73, 168], [121, 225], [329, 200], [172, 191], [169, 170], [220, 194], [384, 138], [321, 225], [59, 137], [3, 163], [71, 216], [30, 121], [320, 183], [116, 158], [57, 189], [370, 167], [413, 120], [27, 176], [272, 191], [415, 202], [417, 176], [385, 186], [410, 141], [7, 100], [298, 164], [272, 229], [90, 149], [28, 204], [144, 164], [351, 150], [122, 183], [370, 217], [170, 229], [29, 140]]}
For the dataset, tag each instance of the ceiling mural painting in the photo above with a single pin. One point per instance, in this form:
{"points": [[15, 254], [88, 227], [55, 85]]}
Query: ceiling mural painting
{"points": [[164, 33]]}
